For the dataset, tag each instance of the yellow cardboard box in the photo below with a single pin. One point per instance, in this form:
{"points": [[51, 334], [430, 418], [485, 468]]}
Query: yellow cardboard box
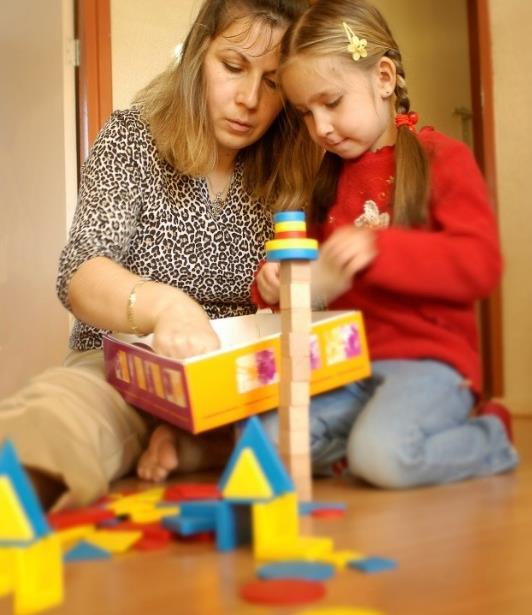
{"points": [[240, 379]]}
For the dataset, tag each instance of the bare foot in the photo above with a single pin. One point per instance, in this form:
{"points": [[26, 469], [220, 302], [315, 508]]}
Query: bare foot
{"points": [[161, 456], [171, 449]]}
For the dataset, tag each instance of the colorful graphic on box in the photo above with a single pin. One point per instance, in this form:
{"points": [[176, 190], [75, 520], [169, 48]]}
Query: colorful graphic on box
{"points": [[256, 370], [342, 343]]}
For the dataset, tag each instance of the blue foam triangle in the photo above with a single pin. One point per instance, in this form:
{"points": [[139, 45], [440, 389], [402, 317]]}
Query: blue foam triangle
{"points": [[254, 437], [85, 551], [11, 467]]}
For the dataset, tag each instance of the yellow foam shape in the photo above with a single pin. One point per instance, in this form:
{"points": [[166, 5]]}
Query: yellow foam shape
{"points": [[339, 559], [303, 547], [274, 521], [340, 610], [289, 244], [38, 576], [153, 514], [290, 225], [114, 541], [6, 571], [14, 523], [136, 501], [74, 534], [247, 479]]}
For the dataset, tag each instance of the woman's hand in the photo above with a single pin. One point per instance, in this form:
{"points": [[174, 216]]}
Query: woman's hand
{"points": [[268, 283], [182, 333]]}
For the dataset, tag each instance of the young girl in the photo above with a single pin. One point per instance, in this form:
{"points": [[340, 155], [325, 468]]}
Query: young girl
{"points": [[409, 238], [174, 210]]}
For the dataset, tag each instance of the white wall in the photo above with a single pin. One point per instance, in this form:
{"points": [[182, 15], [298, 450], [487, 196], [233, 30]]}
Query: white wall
{"points": [[37, 183], [143, 39], [511, 26], [433, 38]]}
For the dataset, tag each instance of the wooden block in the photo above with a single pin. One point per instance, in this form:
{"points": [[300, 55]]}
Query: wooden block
{"points": [[295, 370], [295, 295], [294, 394], [296, 320], [294, 443], [295, 344], [294, 271]]}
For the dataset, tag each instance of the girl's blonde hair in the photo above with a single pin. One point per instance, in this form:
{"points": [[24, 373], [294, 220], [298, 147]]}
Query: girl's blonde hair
{"points": [[174, 103], [320, 31]]}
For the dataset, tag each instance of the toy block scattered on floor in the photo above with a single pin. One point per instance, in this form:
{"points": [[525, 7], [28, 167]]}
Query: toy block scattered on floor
{"points": [[31, 552], [253, 438], [373, 564], [86, 551], [21, 517]]}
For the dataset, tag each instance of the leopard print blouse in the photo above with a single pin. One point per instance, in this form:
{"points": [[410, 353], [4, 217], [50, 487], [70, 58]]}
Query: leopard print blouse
{"points": [[137, 210]]}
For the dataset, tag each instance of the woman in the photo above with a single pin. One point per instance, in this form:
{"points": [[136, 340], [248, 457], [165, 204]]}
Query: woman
{"points": [[174, 208]]}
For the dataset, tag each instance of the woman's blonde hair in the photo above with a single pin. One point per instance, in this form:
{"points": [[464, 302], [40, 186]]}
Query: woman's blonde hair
{"points": [[175, 105], [319, 32]]}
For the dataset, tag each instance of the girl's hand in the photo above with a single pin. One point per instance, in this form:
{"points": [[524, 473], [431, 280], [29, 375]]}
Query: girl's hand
{"points": [[346, 252], [350, 250], [268, 283], [179, 336]]}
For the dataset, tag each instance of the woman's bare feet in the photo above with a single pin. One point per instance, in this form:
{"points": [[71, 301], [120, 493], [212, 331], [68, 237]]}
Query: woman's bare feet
{"points": [[171, 449]]}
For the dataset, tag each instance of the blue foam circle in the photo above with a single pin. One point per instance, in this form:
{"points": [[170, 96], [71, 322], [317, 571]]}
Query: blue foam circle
{"points": [[289, 216], [292, 254], [309, 571]]}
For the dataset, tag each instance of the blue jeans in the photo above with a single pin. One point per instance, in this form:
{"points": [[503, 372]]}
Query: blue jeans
{"points": [[408, 424]]}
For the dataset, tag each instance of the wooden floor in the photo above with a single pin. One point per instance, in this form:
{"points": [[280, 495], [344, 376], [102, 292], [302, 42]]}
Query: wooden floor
{"points": [[462, 549]]}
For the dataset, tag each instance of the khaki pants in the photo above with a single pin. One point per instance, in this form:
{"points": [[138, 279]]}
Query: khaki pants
{"points": [[70, 423]]}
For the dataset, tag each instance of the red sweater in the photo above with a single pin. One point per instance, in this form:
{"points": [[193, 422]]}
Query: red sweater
{"points": [[418, 296]]}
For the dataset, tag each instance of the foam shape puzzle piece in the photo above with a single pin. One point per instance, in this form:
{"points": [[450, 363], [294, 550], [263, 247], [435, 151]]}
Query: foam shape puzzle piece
{"points": [[247, 481], [373, 564], [254, 437], [340, 610], [38, 576], [274, 521], [15, 527], [114, 541], [341, 559], [233, 525], [7, 580], [292, 254], [12, 469], [189, 526], [303, 547], [85, 551], [289, 216], [297, 569], [307, 508], [73, 535], [153, 514], [281, 592], [79, 516], [191, 491]]}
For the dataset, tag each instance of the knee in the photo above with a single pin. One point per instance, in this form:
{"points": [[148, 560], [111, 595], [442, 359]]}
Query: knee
{"points": [[380, 459]]}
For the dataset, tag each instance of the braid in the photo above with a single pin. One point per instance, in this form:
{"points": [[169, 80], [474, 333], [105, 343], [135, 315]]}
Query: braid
{"points": [[411, 164], [402, 101]]}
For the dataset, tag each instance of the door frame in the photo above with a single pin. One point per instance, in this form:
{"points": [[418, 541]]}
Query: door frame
{"points": [[94, 87]]}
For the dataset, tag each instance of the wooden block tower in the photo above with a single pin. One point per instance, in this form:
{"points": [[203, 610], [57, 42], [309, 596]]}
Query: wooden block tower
{"points": [[294, 251]]}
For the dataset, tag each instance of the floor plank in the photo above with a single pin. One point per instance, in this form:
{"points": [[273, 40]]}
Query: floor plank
{"points": [[462, 549]]}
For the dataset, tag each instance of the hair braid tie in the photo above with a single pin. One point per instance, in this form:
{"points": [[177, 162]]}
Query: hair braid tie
{"points": [[407, 119]]}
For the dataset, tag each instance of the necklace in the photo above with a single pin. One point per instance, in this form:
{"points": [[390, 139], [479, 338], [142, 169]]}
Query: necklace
{"points": [[216, 204]]}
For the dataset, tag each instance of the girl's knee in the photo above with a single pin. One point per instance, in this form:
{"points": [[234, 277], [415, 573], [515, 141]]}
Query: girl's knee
{"points": [[381, 461]]}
